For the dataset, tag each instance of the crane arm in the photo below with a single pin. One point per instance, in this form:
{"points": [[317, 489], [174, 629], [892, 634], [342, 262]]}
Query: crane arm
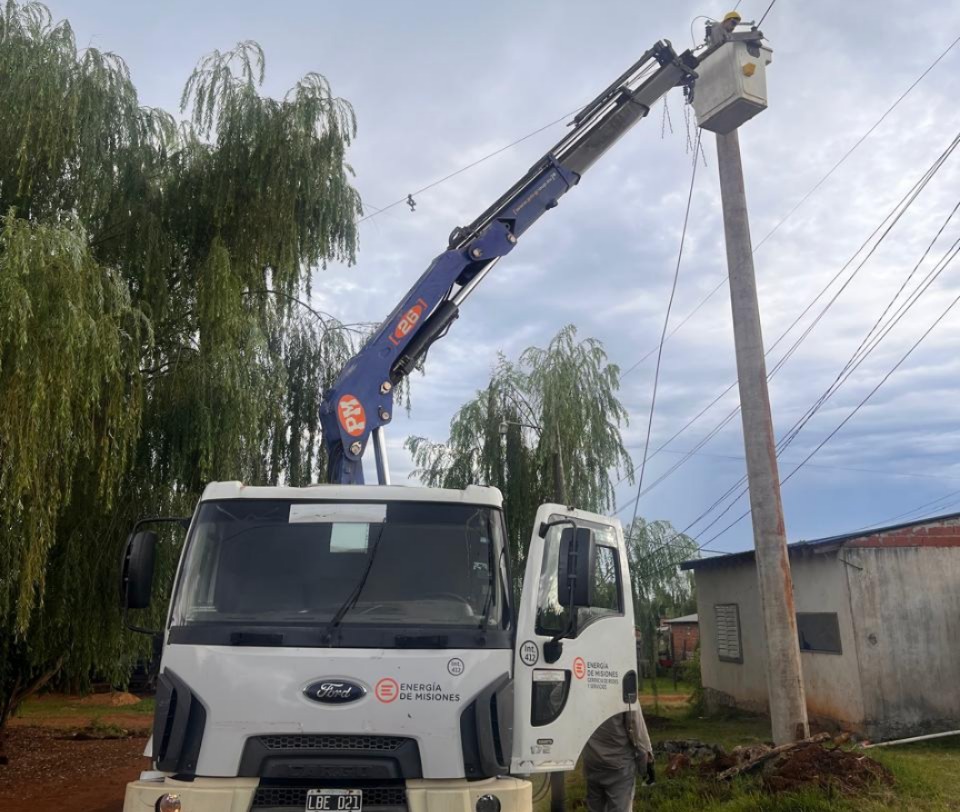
{"points": [[360, 403]]}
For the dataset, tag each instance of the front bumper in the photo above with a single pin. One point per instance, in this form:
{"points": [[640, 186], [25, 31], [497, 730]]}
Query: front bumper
{"points": [[237, 794]]}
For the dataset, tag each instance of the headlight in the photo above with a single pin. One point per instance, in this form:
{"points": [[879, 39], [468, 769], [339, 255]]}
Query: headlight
{"points": [[488, 803], [168, 803]]}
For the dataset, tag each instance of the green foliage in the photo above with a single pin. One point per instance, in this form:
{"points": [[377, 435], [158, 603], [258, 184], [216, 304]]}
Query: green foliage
{"points": [[693, 676], [557, 402], [660, 589], [925, 776], [153, 329]]}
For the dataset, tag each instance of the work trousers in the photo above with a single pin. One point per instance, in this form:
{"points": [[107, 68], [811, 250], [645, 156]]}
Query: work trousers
{"points": [[610, 790]]}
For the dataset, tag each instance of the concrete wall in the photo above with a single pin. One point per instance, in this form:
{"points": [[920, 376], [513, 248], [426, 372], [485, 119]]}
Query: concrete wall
{"points": [[907, 603], [832, 681], [744, 684]]}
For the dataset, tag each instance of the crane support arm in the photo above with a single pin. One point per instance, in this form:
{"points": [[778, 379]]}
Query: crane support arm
{"points": [[361, 401]]}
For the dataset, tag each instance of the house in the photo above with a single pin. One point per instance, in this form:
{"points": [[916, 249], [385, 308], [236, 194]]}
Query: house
{"points": [[878, 619], [683, 634]]}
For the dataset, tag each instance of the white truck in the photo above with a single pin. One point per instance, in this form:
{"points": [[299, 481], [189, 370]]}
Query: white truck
{"points": [[347, 648]]}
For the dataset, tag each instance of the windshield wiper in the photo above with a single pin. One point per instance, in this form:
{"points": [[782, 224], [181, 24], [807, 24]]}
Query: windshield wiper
{"points": [[354, 596], [491, 590]]}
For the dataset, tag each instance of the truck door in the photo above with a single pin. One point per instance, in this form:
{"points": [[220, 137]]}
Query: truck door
{"points": [[575, 660]]}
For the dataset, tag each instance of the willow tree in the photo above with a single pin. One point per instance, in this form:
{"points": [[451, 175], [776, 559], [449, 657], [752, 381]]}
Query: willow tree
{"points": [[546, 428], [155, 327], [655, 551]]}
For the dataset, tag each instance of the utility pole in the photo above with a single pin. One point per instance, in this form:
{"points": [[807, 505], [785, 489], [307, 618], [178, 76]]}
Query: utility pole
{"points": [[788, 710], [731, 89]]}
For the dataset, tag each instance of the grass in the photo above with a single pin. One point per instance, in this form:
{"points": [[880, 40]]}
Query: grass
{"points": [[665, 686], [927, 776], [61, 706]]}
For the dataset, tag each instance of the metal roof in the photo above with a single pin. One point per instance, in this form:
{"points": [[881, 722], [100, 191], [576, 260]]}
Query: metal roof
{"points": [[685, 619], [823, 545]]}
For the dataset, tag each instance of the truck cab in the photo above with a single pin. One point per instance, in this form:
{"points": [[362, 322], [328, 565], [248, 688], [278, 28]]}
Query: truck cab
{"points": [[359, 649]]}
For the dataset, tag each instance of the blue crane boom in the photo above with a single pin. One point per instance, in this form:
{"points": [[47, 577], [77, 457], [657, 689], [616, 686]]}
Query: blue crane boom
{"points": [[360, 403]]}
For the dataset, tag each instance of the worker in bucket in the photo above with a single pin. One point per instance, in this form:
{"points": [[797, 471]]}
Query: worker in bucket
{"points": [[617, 752], [730, 21]]}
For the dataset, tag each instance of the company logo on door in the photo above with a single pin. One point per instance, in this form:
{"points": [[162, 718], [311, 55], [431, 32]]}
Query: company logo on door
{"points": [[334, 691], [579, 668], [351, 415], [388, 689]]}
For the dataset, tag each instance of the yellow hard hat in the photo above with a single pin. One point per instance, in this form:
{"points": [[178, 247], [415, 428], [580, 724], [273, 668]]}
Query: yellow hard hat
{"points": [[731, 15]]}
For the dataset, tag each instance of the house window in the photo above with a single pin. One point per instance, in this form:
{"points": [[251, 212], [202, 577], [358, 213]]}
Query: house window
{"points": [[727, 616], [819, 631]]}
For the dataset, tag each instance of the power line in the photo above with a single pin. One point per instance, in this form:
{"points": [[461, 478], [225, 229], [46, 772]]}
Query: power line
{"points": [[765, 238], [848, 370], [666, 322], [950, 497], [898, 211], [813, 189], [854, 411], [824, 466], [470, 165], [772, 4], [921, 289]]}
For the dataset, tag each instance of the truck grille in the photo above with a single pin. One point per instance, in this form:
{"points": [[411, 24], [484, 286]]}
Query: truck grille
{"points": [[284, 796], [333, 742]]}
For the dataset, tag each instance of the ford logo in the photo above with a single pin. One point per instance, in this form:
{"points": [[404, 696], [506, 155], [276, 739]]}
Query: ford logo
{"points": [[334, 691]]}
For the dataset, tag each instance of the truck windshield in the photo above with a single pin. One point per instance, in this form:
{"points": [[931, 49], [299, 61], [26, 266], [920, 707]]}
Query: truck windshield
{"points": [[324, 573]]}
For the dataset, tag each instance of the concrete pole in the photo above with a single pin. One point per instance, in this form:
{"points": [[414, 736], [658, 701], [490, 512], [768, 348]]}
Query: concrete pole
{"points": [[788, 710]]}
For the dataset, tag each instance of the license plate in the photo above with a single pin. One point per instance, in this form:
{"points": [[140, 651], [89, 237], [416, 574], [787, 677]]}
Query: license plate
{"points": [[334, 800]]}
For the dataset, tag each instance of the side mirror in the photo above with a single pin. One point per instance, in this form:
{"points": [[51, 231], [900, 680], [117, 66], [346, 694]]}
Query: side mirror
{"points": [[576, 565], [136, 579]]}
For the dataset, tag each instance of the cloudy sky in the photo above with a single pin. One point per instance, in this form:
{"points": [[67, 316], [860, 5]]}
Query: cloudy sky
{"points": [[437, 85]]}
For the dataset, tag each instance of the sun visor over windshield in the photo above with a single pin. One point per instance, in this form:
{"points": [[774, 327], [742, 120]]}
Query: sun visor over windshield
{"points": [[353, 513]]}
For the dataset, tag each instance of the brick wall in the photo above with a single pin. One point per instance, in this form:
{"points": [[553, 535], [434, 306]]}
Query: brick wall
{"points": [[935, 534], [684, 638]]}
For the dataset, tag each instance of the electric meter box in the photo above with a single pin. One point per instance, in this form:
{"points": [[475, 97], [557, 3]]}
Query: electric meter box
{"points": [[731, 87]]}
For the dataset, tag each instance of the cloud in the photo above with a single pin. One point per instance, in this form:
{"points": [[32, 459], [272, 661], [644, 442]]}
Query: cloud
{"points": [[437, 86]]}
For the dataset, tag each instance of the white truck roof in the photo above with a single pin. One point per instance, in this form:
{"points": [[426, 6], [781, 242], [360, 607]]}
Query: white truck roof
{"points": [[471, 495]]}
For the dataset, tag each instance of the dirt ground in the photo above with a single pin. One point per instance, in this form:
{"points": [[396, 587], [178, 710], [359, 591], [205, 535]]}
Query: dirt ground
{"points": [[51, 766], [48, 771]]}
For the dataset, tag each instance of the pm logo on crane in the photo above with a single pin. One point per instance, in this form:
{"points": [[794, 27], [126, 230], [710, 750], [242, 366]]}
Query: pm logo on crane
{"points": [[351, 414], [407, 322]]}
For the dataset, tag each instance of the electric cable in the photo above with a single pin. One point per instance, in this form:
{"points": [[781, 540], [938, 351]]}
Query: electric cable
{"points": [[849, 369], [850, 415], [855, 410], [470, 165], [876, 471], [895, 215], [949, 498], [922, 287], [772, 4], [666, 324], [810, 192]]}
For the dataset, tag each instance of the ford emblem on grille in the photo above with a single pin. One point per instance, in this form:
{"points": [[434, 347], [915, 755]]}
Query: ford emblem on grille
{"points": [[334, 691]]}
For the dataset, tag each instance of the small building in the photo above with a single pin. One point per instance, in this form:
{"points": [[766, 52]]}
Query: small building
{"points": [[684, 636], [878, 618]]}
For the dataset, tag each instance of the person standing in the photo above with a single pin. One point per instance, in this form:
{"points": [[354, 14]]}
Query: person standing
{"points": [[615, 754]]}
